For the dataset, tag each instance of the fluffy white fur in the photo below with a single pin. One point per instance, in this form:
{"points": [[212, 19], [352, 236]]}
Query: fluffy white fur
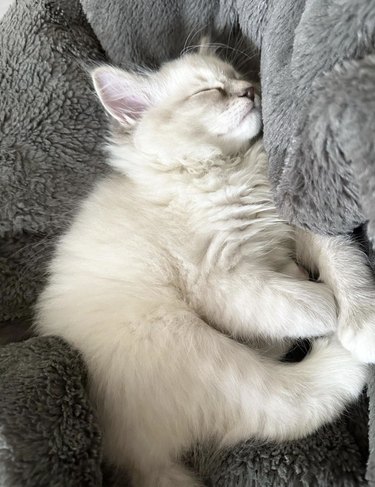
{"points": [[179, 253]]}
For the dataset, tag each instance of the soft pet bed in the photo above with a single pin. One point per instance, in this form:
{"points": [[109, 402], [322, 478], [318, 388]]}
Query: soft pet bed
{"points": [[317, 67]]}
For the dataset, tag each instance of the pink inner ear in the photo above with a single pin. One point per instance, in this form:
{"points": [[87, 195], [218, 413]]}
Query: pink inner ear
{"points": [[123, 95]]}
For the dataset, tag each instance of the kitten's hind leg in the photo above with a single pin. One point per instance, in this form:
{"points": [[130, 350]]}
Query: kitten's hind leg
{"points": [[171, 381], [344, 268]]}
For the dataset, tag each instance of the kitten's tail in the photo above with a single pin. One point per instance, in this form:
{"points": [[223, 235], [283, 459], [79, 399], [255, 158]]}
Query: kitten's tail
{"points": [[289, 401], [312, 392]]}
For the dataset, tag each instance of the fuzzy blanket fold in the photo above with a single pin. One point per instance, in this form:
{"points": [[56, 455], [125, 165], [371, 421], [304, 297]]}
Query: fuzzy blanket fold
{"points": [[318, 79]]}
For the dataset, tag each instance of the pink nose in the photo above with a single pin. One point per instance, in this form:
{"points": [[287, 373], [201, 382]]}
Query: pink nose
{"points": [[249, 92]]}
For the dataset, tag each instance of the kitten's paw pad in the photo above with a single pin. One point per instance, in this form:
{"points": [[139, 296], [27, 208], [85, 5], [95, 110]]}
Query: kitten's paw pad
{"points": [[357, 335]]}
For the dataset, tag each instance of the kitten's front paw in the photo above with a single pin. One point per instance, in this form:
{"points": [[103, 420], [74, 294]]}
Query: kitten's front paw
{"points": [[357, 333]]}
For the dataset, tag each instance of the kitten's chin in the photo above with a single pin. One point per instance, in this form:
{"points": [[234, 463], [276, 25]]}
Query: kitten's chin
{"points": [[241, 138], [251, 124]]}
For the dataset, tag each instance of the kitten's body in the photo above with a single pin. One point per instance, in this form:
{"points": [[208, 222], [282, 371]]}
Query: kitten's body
{"points": [[158, 263]]}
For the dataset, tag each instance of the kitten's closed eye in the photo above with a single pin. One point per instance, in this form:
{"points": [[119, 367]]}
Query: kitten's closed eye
{"points": [[218, 89]]}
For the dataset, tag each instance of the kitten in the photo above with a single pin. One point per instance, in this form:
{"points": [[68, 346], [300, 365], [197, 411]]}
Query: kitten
{"points": [[180, 252]]}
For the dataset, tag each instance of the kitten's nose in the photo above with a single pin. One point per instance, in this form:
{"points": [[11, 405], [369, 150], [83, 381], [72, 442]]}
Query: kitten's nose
{"points": [[249, 92]]}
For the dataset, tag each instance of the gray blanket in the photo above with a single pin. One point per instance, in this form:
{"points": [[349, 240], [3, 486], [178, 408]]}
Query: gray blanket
{"points": [[318, 80]]}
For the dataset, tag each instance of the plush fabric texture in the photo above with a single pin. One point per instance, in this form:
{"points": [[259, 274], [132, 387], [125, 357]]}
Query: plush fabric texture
{"points": [[51, 135], [51, 131], [49, 435], [318, 109]]}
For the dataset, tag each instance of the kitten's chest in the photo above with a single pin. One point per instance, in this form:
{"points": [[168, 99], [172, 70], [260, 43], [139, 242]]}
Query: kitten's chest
{"points": [[231, 226], [246, 237], [258, 242]]}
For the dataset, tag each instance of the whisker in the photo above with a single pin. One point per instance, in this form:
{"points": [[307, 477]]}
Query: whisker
{"points": [[192, 35], [222, 45]]}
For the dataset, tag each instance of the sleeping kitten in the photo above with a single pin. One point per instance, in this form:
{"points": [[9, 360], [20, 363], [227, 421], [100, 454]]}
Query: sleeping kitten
{"points": [[182, 251]]}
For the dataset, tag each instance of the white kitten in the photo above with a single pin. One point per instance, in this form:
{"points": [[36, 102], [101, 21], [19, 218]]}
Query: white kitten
{"points": [[182, 250]]}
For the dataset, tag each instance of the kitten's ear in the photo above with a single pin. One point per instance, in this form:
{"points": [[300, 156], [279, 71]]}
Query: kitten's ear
{"points": [[205, 45], [124, 95]]}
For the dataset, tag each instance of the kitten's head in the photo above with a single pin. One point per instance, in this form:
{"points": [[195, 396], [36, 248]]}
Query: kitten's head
{"points": [[193, 107]]}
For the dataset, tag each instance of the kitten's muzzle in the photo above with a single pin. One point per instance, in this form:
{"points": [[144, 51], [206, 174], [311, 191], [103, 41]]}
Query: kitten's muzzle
{"points": [[248, 93], [241, 89]]}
